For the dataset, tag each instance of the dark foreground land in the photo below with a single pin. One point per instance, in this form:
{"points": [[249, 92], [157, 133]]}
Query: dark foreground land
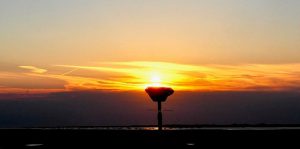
{"points": [[182, 138]]}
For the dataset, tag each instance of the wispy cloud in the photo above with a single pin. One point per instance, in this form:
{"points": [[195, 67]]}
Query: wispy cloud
{"points": [[34, 69], [137, 75]]}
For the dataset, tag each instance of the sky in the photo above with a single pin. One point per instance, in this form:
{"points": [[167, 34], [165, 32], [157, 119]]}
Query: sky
{"points": [[53, 49]]}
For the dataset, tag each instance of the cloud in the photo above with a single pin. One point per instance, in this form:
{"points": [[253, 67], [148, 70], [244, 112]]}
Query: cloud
{"points": [[135, 75], [34, 69]]}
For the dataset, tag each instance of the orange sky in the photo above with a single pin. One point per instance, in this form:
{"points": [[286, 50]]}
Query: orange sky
{"points": [[63, 45], [182, 31], [136, 75]]}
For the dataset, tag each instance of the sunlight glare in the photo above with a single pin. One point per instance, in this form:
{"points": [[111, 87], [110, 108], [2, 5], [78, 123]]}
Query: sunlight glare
{"points": [[155, 80]]}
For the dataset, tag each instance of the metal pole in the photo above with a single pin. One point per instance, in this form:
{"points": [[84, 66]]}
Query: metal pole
{"points": [[159, 116]]}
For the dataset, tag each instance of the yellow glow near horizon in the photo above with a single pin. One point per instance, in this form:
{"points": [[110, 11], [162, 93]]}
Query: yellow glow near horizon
{"points": [[137, 75]]}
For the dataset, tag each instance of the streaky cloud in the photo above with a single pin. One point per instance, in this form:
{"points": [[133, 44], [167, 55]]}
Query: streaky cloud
{"points": [[34, 69], [246, 77], [136, 75]]}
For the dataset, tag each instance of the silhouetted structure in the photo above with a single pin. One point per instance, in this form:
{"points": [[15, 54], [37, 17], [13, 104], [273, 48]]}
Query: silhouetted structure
{"points": [[159, 94]]}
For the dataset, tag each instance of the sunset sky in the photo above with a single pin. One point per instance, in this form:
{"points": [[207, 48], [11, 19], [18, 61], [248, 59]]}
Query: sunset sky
{"points": [[192, 46]]}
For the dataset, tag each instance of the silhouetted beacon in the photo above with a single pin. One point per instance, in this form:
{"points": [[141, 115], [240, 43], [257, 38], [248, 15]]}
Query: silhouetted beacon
{"points": [[159, 94]]}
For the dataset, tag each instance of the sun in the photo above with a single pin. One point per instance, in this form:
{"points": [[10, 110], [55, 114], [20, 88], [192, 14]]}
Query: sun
{"points": [[155, 80]]}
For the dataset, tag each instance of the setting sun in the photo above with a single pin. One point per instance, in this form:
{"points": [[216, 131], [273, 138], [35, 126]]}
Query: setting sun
{"points": [[155, 80]]}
